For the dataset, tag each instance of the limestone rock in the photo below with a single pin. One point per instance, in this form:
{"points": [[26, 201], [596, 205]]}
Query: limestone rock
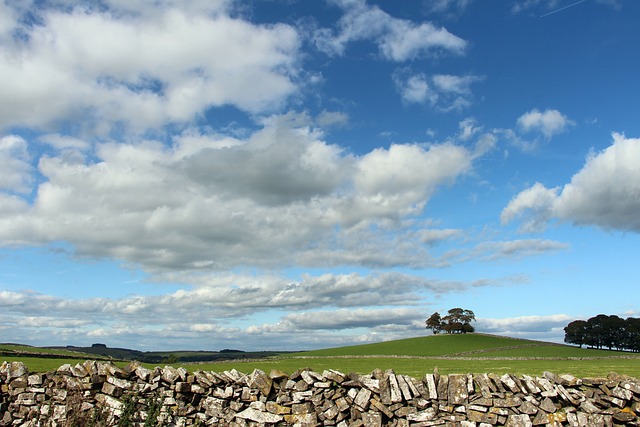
{"points": [[522, 420], [259, 416], [260, 380], [307, 398]]}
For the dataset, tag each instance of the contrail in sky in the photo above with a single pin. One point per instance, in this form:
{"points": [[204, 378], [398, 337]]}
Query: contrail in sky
{"points": [[562, 8]]}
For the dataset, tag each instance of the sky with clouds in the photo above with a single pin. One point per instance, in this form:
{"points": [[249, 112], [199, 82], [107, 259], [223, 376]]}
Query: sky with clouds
{"points": [[286, 174]]}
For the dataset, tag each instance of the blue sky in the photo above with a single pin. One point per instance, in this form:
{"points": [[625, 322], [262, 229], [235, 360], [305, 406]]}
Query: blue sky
{"points": [[294, 175]]}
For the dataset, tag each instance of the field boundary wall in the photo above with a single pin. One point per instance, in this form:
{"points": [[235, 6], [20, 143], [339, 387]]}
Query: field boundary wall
{"points": [[100, 393]]}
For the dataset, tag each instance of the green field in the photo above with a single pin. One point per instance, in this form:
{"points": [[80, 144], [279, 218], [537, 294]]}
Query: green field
{"points": [[480, 345], [26, 349], [471, 353]]}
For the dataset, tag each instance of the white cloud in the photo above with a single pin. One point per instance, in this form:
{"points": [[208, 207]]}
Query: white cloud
{"points": [[343, 319], [443, 6], [454, 84], [605, 193], [416, 90], [7, 21], [548, 122], [515, 249], [536, 201], [433, 236], [228, 295], [332, 119], [151, 69], [544, 328], [335, 306], [63, 142], [468, 128], [279, 197], [402, 175], [11, 205], [15, 165], [444, 92], [405, 40], [397, 39]]}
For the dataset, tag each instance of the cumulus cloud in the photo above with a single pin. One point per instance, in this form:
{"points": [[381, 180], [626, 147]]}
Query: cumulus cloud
{"points": [[153, 67], [397, 39], [548, 122], [242, 294], [544, 328], [341, 320], [332, 119], [443, 91], [15, 164], [468, 128], [605, 193], [7, 21], [415, 89], [65, 142], [339, 304], [279, 197], [537, 202]]}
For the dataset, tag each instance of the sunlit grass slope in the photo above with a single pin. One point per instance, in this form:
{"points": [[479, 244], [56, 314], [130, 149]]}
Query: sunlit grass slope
{"points": [[471, 353], [467, 345], [436, 345]]}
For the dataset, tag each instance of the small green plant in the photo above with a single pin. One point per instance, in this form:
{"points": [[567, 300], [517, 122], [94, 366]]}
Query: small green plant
{"points": [[154, 405], [128, 411]]}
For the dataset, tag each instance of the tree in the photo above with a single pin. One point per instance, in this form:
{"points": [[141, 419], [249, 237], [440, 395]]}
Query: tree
{"points": [[434, 323], [605, 331], [631, 339], [614, 332], [457, 321], [576, 332]]}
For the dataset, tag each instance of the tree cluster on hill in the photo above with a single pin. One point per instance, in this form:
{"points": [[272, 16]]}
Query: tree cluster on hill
{"points": [[605, 331], [457, 321]]}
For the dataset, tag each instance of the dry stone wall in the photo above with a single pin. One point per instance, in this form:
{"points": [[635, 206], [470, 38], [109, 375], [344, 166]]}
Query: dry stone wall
{"points": [[100, 393]]}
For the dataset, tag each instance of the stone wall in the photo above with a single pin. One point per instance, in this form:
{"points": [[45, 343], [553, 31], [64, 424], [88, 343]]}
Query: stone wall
{"points": [[100, 393]]}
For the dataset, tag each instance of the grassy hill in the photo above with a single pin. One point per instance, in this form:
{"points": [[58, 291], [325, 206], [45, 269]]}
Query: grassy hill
{"points": [[9, 349], [470, 353], [461, 345], [102, 352]]}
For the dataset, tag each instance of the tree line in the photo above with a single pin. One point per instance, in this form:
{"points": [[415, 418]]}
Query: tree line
{"points": [[457, 321], [605, 331]]}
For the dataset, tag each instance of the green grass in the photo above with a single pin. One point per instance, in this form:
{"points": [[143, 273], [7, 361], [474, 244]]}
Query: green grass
{"points": [[436, 345], [561, 351], [417, 368], [472, 353], [29, 350]]}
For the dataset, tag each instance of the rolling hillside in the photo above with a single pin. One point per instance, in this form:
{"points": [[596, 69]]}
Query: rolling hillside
{"points": [[459, 345], [470, 353]]}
